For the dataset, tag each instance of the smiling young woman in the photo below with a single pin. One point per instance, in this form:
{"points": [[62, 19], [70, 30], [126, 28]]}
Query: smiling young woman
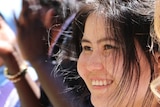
{"points": [[111, 42]]}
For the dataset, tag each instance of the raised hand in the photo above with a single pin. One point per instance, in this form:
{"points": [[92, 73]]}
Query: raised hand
{"points": [[8, 47], [32, 34]]}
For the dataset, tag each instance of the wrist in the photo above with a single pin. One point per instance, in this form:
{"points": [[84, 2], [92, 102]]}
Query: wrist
{"points": [[15, 77]]}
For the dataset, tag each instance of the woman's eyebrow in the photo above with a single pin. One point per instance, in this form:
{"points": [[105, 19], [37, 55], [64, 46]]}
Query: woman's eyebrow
{"points": [[85, 40], [106, 39], [103, 40], [100, 40]]}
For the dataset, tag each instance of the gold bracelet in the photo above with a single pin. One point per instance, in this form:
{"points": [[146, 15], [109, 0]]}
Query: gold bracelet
{"points": [[16, 77]]}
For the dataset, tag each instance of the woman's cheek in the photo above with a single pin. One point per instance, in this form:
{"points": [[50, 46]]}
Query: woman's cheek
{"points": [[81, 66]]}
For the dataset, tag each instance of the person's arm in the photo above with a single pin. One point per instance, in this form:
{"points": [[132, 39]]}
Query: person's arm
{"points": [[33, 41], [28, 90]]}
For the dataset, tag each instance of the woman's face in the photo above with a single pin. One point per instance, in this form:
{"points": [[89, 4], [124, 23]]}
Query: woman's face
{"points": [[96, 64], [100, 63]]}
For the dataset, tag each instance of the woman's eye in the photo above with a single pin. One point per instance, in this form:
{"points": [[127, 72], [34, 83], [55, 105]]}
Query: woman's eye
{"points": [[109, 49], [87, 48], [107, 46]]}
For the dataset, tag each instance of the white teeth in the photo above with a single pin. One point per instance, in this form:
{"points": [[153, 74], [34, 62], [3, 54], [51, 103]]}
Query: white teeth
{"points": [[100, 82]]}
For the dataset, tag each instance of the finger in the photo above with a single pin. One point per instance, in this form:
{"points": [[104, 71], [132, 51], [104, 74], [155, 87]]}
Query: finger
{"points": [[48, 18], [24, 13], [30, 11]]}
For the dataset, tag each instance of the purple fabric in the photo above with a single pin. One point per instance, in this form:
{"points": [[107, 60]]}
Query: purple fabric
{"points": [[4, 92], [65, 25]]}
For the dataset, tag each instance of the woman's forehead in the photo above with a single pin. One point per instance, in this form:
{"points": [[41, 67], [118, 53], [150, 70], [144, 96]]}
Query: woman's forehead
{"points": [[97, 24], [94, 25], [95, 18]]}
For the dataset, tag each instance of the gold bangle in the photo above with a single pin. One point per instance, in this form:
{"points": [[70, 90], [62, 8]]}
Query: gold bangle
{"points": [[16, 80], [16, 77]]}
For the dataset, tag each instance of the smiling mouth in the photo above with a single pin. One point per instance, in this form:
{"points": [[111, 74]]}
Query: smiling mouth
{"points": [[101, 82]]}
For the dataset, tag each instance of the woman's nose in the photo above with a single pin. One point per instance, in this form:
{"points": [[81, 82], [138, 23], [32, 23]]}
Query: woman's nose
{"points": [[95, 62]]}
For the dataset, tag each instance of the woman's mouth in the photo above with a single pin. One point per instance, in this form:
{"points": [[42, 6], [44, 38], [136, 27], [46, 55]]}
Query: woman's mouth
{"points": [[101, 82]]}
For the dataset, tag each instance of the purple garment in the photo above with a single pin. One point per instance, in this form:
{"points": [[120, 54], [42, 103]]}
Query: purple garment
{"points": [[64, 27], [8, 95]]}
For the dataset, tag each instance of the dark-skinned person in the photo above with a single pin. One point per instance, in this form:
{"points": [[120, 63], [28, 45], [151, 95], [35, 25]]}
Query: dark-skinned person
{"points": [[32, 26]]}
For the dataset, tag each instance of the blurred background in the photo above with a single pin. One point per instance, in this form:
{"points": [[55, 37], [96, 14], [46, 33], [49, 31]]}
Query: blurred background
{"points": [[9, 10]]}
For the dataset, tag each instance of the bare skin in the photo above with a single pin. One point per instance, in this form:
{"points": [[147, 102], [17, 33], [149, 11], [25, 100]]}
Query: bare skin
{"points": [[96, 66], [13, 60], [157, 18], [33, 42], [32, 39]]}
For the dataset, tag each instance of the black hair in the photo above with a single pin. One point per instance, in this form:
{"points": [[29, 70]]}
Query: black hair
{"points": [[67, 68], [129, 20]]}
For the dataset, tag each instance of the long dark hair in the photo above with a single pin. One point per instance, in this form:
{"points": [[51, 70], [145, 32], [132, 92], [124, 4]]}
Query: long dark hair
{"points": [[63, 66], [129, 20]]}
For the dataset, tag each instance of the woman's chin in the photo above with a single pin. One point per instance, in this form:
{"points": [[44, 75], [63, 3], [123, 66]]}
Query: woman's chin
{"points": [[99, 101]]}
